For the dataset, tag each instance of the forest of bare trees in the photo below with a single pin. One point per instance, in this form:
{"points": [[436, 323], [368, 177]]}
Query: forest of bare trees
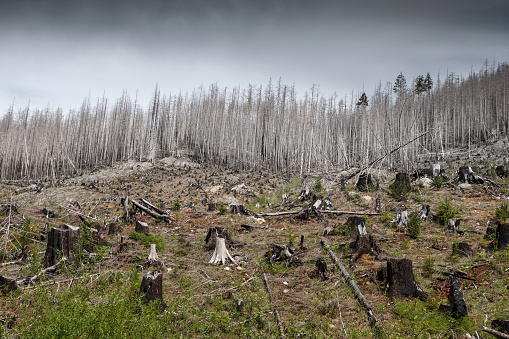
{"points": [[259, 127]]}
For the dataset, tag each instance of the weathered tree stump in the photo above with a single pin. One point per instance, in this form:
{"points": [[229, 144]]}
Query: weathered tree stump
{"points": [[212, 206], [153, 258], [502, 171], [463, 250], [453, 225], [306, 195], [401, 219], [238, 209], [502, 236], [114, 228], [152, 288], [282, 253], [321, 266], [402, 182], [141, 227], [213, 233], [48, 213], [221, 254], [457, 306], [360, 241], [7, 284], [61, 241], [400, 278], [425, 213], [365, 183]]}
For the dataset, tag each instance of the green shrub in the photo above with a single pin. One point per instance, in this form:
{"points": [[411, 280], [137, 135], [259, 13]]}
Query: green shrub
{"points": [[177, 206], [399, 192], [414, 226], [222, 209], [318, 187], [502, 212], [445, 211], [149, 238], [428, 268], [387, 218], [437, 182]]}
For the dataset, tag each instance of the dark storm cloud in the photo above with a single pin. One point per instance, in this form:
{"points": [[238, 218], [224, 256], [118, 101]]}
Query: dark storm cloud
{"points": [[57, 52]]}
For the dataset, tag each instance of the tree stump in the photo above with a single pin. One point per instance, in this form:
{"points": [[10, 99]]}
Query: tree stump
{"points": [[365, 183], [48, 213], [238, 209], [114, 228], [60, 241], [321, 266], [402, 182], [360, 241], [282, 253], [401, 218], [141, 227], [213, 233], [463, 250], [425, 212], [152, 288], [502, 236], [502, 171], [400, 278], [457, 306], [153, 258], [221, 254], [7, 284]]}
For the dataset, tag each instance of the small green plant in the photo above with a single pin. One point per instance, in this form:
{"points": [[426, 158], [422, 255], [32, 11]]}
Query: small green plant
{"points": [[149, 238], [428, 268], [222, 209], [318, 186], [502, 212], [399, 192], [437, 182], [177, 206], [387, 218], [414, 226], [446, 211]]}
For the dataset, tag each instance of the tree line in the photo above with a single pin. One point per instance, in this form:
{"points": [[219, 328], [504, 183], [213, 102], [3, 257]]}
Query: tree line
{"points": [[262, 127]]}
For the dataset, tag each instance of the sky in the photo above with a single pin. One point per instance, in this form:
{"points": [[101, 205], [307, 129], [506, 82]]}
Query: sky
{"points": [[57, 53]]}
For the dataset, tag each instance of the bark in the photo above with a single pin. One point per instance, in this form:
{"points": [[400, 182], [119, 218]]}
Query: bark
{"points": [[154, 208], [61, 241], [502, 236], [360, 241], [400, 278], [114, 228], [321, 266], [152, 288], [221, 254], [141, 227], [494, 332], [457, 306]]}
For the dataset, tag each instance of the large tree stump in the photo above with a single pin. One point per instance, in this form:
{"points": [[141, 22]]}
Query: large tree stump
{"points": [[238, 209], [152, 288], [221, 254], [60, 241], [425, 213], [321, 266], [400, 278], [502, 236], [213, 233], [402, 182], [7, 284], [365, 183], [141, 227], [501, 325]]}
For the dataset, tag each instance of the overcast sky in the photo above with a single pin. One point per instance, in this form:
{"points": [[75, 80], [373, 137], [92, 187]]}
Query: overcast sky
{"points": [[56, 53]]}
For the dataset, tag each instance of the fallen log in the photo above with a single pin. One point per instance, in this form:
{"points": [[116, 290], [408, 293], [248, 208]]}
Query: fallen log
{"points": [[362, 300], [150, 212], [494, 332], [149, 205], [276, 313]]}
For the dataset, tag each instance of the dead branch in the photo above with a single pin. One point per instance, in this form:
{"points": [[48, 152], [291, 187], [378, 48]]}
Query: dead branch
{"points": [[494, 332], [349, 212], [362, 300], [50, 269], [157, 210], [278, 318]]}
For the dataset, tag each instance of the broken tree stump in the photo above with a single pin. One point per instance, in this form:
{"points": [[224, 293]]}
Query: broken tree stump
{"points": [[365, 183], [152, 288], [400, 278], [153, 258], [7, 284], [401, 183], [502, 236], [61, 241], [114, 228], [213, 233], [463, 250], [141, 227], [501, 325], [457, 306], [425, 212], [360, 241], [282, 253], [321, 266], [238, 209], [221, 254]]}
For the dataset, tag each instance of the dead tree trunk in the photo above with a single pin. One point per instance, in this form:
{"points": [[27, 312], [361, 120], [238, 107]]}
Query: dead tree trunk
{"points": [[150, 212], [60, 241], [152, 288], [400, 278]]}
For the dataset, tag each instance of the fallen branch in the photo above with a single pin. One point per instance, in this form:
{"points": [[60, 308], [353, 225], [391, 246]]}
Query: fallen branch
{"points": [[276, 214], [50, 269], [494, 332], [150, 212], [349, 212], [278, 318], [362, 300], [383, 156], [157, 210]]}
